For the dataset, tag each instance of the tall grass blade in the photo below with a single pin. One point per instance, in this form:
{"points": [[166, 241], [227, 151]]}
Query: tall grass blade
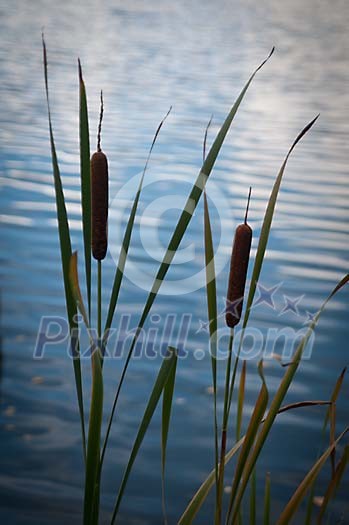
{"points": [[266, 516], [250, 436], [165, 424], [241, 400], [127, 239], [164, 374], [334, 396], [211, 295], [334, 483], [199, 497], [278, 398], [333, 400], [268, 217], [85, 183], [91, 497], [293, 504], [65, 249], [181, 227]]}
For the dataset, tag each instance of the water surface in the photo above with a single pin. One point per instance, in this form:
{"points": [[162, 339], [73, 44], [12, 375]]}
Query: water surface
{"points": [[146, 57]]}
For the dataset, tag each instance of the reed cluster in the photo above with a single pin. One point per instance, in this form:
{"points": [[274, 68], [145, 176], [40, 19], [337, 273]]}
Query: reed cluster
{"points": [[244, 449]]}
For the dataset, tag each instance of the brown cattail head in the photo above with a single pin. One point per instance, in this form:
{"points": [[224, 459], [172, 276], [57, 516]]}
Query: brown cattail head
{"points": [[238, 272], [99, 204]]}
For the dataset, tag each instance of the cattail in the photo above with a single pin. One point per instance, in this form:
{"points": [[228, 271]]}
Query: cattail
{"points": [[238, 271], [99, 197]]}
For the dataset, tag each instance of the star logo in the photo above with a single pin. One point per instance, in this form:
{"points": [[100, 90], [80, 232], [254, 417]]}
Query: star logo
{"points": [[204, 327], [310, 317], [291, 305], [232, 308], [266, 295]]}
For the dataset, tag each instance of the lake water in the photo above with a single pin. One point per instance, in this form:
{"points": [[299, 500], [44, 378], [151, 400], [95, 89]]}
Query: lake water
{"points": [[147, 56]]}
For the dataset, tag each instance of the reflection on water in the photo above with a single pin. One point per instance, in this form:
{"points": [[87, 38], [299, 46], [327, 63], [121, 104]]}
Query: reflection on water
{"points": [[147, 57]]}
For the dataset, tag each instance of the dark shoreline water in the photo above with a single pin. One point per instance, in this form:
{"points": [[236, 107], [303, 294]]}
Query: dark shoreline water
{"points": [[195, 57]]}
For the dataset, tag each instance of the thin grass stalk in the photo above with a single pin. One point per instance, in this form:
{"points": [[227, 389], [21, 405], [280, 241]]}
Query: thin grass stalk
{"points": [[251, 433], [241, 399], [167, 399], [211, 294], [266, 514], [99, 300], [66, 252], [85, 179], [294, 502], [126, 241], [253, 491], [201, 494], [212, 318], [278, 398], [92, 474], [218, 514], [178, 233], [333, 400], [163, 376]]}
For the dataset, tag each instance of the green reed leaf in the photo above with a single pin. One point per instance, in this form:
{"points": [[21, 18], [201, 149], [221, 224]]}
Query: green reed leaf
{"points": [[85, 178], [268, 217], [278, 398], [202, 493], [334, 483], [127, 239], [211, 295], [200, 496], [181, 228], [241, 400], [91, 496], [266, 514], [65, 249], [293, 504], [333, 400], [164, 374], [250, 436], [165, 424]]}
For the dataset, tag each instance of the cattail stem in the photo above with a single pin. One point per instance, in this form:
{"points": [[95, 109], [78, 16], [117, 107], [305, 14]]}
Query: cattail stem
{"points": [[218, 517], [99, 301], [248, 204], [100, 124]]}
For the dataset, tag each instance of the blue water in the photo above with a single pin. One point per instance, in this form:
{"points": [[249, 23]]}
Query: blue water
{"points": [[146, 57]]}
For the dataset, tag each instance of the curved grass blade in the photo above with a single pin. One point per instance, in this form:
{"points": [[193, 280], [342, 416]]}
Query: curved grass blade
{"points": [[164, 374], [334, 483], [241, 399], [165, 423], [85, 182], [250, 436], [334, 396], [333, 400], [65, 249], [127, 239], [181, 227], [277, 400], [266, 516], [200, 496], [91, 497], [212, 315], [293, 504], [268, 217]]}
